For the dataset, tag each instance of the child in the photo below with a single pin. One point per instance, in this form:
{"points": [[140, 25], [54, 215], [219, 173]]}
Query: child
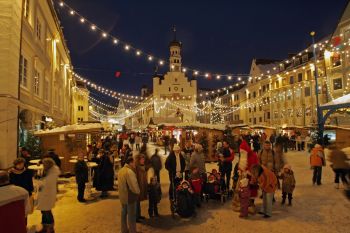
{"points": [[244, 196], [81, 176], [154, 196], [288, 184], [196, 183]]}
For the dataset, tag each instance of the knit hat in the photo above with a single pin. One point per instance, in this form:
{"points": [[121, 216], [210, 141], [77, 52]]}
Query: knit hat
{"points": [[287, 166], [176, 148]]}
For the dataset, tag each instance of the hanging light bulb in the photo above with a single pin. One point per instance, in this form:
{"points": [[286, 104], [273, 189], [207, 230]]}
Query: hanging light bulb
{"points": [[138, 53], [61, 4], [104, 35], [127, 47], [93, 27], [82, 20], [150, 58], [72, 12], [115, 41]]}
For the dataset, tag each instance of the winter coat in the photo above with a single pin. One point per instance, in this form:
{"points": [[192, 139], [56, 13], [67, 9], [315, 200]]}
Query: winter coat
{"points": [[187, 156], [141, 174], [48, 189], [317, 157], [81, 172], [288, 182], [338, 159], [271, 160], [267, 180], [137, 140], [156, 162], [128, 186], [104, 175], [198, 160], [154, 193], [170, 164], [22, 179]]}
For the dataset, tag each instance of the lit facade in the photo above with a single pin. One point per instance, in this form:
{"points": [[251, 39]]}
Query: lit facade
{"points": [[36, 85]]}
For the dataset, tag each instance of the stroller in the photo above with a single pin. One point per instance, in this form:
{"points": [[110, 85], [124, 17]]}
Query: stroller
{"points": [[214, 187], [182, 201]]}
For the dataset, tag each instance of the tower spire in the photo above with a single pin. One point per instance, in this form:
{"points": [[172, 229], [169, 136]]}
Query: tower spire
{"points": [[174, 31]]}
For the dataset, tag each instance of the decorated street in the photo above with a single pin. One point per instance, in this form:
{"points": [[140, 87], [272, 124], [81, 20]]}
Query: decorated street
{"points": [[316, 209]]}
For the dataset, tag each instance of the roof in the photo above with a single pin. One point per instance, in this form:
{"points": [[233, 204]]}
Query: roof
{"points": [[175, 43], [344, 100], [263, 61], [76, 128]]}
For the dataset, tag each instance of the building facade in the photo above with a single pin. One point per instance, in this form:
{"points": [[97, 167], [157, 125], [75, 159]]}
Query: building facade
{"points": [[36, 85]]}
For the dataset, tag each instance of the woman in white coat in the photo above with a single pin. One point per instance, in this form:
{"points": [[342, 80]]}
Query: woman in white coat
{"points": [[47, 194]]}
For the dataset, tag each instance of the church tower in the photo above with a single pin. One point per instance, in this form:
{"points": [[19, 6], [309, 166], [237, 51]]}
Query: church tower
{"points": [[175, 54]]}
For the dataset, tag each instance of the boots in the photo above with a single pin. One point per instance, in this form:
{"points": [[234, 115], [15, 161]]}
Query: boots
{"points": [[290, 201], [283, 201]]}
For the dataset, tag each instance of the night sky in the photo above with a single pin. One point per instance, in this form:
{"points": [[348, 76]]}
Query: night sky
{"points": [[218, 36]]}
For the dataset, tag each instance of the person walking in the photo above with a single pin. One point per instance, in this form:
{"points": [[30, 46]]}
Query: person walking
{"points": [[226, 159], [154, 196], [288, 184], [268, 183], [104, 173], [47, 194], [137, 141], [156, 164], [172, 142], [128, 195], [317, 161], [21, 176], [175, 164], [81, 176], [198, 160], [166, 140], [339, 164], [141, 174], [187, 152]]}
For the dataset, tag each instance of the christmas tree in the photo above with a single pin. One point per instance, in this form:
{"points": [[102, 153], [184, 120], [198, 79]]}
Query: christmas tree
{"points": [[215, 116], [33, 145]]}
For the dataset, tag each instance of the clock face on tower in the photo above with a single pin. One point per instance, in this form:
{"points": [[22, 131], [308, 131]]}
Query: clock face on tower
{"points": [[176, 88]]}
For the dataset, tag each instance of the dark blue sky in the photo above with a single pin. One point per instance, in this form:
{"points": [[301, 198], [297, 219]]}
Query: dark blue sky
{"points": [[220, 36]]}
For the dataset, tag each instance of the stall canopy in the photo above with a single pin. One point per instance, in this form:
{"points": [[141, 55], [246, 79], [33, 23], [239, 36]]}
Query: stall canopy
{"points": [[76, 128], [341, 102], [196, 125]]}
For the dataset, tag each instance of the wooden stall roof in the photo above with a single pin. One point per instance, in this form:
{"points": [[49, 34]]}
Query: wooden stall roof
{"points": [[197, 125], [76, 128]]}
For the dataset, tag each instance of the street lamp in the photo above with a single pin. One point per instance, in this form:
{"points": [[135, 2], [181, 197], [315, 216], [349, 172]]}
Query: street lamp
{"points": [[319, 113]]}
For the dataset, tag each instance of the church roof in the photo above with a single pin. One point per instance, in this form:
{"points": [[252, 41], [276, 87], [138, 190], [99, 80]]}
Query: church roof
{"points": [[175, 43]]}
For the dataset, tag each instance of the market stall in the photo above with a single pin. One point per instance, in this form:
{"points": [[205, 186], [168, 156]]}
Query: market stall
{"points": [[69, 140]]}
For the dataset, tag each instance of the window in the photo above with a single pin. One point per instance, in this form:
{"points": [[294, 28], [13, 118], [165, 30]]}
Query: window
{"points": [[289, 95], [307, 91], [337, 84], [260, 108], [254, 94], [80, 119], [46, 89], [308, 75], [23, 70], [176, 80], [254, 122], [297, 93], [80, 108], [268, 115], [182, 90], [276, 84], [300, 77], [275, 114], [26, 9], [336, 60], [38, 29], [250, 110], [249, 96], [36, 82], [291, 79], [169, 89], [260, 119], [263, 88], [304, 58], [296, 61]]}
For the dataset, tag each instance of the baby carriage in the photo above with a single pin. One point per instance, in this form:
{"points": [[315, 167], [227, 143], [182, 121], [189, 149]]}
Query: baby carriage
{"points": [[214, 187], [182, 202]]}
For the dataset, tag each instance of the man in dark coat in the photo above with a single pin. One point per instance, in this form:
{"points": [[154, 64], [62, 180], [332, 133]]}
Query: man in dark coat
{"points": [[104, 174], [55, 157], [81, 175], [175, 164], [156, 164]]}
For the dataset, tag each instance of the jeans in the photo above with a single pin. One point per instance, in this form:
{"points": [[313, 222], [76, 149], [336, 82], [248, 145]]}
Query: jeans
{"points": [[342, 174], [266, 207], [152, 208], [225, 172], [81, 189], [316, 178], [128, 218], [47, 218], [157, 174]]}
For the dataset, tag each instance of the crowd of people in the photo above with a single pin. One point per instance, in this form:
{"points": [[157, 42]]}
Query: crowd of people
{"points": [[261, 165]]}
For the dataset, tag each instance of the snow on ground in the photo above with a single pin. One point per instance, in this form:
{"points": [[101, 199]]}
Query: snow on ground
{"points": [[315, 209]]}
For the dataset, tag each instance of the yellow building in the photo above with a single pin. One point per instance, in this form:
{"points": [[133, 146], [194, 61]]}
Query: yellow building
{"points": [[80, 106], [35, 84]]}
